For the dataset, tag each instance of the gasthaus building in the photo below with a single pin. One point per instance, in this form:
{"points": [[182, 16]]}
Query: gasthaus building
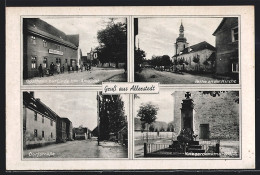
{"points": [[44, 44]]}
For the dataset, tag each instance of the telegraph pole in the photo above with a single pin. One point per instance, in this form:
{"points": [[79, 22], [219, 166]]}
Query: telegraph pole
{"points": [[98, 117]]}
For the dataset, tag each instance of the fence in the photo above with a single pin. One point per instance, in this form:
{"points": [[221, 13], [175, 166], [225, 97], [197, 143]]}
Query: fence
{"points": [[151, 147], [210, 146]]}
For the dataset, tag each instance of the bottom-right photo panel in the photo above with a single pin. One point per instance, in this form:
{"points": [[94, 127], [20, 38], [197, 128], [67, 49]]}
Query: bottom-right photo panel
{"points": [[193, 124]]}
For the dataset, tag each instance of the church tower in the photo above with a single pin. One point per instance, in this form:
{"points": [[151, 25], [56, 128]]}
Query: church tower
{"points": [[181, 41]]}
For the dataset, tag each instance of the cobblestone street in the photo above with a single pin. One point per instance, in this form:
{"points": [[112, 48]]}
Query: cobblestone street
{"points": [[95, 76], [151, 75], [79, 149]]}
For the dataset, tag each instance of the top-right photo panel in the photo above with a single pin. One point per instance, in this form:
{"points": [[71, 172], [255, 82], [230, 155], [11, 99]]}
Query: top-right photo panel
{"points": [[187, 50]]}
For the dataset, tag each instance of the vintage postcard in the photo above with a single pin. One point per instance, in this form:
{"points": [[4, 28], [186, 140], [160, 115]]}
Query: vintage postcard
{"points": [[130, 87]]}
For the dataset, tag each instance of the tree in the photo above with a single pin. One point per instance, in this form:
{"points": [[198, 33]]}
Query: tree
{"points": [[181, 62], [162, 129], [151, 128], [147, 113], [165, 60], [111, 114], [139, 58], [113, 43], [196, 59], [218, 93]]}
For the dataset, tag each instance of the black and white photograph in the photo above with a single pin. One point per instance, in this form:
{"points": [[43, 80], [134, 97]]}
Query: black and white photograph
{"points": [[74, 50], [190, 124], [69, 124], [187, 50]]}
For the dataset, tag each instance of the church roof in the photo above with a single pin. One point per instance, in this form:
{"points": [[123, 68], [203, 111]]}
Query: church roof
{"points": [[197, 47]]}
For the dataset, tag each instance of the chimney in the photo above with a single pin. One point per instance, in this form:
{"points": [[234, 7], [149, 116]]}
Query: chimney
{"points": [[32, 93]]}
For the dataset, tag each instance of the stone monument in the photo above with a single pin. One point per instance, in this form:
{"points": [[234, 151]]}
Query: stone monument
{"points": [[187, 112]]}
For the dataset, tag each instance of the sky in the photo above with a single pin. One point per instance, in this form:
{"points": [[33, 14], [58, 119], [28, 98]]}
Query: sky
{"points": [[86, 27], [157, 35], [78, 106], [164, 100]]}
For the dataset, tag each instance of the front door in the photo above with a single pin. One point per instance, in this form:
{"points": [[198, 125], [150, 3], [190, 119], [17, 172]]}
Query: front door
{"points": [[204, 131], [73, 63]]}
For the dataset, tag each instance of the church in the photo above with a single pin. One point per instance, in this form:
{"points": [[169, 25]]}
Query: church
{"points": [[198, 57]]}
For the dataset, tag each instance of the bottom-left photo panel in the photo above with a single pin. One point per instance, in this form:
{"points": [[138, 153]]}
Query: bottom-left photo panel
{"points": [[74, 124]]}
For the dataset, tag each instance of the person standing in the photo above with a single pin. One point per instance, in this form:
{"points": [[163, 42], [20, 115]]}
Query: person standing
{"points": [[62, 68], [58, 68], [40, 70], [52, 68]]}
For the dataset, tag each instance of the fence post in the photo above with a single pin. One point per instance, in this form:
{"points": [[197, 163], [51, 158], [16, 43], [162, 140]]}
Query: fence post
{"points": [[217, 146], [145, 149]]}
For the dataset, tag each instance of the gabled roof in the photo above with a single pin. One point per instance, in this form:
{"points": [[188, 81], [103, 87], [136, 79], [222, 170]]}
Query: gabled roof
{"points": [[197, 47], [74, 39], [212, 57], [42, 28], [219, 26], [66, 120], [35, 104]]}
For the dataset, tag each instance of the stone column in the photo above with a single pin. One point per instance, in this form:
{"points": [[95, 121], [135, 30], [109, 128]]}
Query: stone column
{"points": [[187, 112]]}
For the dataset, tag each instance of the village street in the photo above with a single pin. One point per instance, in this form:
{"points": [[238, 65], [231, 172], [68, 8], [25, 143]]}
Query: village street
{"points": [[95, 76], [152, 75], [79, 149]]}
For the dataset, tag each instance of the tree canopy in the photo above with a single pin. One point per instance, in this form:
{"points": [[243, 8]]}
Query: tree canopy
{"points": [[161, 60], [147, 113], [112, 43], [139, 58], [111, 114]]}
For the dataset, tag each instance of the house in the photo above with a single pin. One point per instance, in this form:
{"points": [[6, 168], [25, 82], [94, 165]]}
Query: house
{"points": [[61, 130], [39, 122], [81, 133], [227, 38], [44, 44], [69, 127], [203, 52]]}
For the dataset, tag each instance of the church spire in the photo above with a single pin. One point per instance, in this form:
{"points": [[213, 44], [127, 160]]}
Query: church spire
{"points": [[181, 30]]}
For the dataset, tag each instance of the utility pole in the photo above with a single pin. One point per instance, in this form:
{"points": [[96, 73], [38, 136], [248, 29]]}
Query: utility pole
{"points": [[98, 117]]}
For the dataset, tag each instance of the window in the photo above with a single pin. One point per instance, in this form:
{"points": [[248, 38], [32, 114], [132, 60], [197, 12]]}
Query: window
{"points": [[58, 47], [33, 40], [66, 60], [45, 62], [234, 34], [35, 116], [58, 60], [44, 43], [235, 67], [42, 119], [33, 61], [35, 133], [42, 134], [51, 122], [51, 135]]}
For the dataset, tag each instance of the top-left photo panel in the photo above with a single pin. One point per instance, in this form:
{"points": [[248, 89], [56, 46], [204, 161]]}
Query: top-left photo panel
{"points": [[86, 50]]}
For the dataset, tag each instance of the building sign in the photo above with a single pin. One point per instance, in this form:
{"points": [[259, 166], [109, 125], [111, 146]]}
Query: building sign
{"points": [[95, 55], [56, 52]]}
